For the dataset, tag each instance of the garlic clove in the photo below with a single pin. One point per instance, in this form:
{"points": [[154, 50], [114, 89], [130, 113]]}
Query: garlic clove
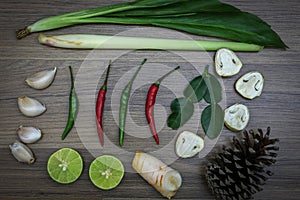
{"points": [[29, 134], [30, 107], [236, 117], [188, 144], [227, 63], [250, 85], [21, 152], [42, 79]]}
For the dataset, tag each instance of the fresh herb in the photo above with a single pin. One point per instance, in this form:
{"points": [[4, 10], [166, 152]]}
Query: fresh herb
{"points": [[196, 89], [182, 110], [208, 87], [201, 17], [73, 107], [212, 117]]}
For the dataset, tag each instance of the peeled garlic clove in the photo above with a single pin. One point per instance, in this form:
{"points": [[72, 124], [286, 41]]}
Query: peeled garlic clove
{"points": [[29, 134], [250, 85], [236, 117], [227, 63], [188, 144], [163, 178], [30, 107], [21, 152], [42, 79]]}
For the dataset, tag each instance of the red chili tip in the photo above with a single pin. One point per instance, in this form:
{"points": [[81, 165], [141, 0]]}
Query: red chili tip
{"points": [[156, 139]]}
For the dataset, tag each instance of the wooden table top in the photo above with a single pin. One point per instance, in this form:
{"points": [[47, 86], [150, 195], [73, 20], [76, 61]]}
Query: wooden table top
{"points": [[278, 107]]}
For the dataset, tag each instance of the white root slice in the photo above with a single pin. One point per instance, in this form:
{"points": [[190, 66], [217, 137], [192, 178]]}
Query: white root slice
{"points": [[236, 117], [163, 178], [188, 144], [227, 63], [250, 85]]}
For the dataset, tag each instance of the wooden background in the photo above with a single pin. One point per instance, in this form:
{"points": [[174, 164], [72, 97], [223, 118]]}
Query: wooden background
{"points": [[278, 107]]}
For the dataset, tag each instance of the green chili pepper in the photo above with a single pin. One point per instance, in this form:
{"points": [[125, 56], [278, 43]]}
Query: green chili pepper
{"points": [[124, 103], [73, 107]]}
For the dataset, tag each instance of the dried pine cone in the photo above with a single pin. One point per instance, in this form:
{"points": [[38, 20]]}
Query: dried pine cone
{"points": [[238, 171]]}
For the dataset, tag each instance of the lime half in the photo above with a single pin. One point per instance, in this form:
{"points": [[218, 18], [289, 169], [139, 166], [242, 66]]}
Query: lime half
{"points": [[65, 165], [106, 172]]}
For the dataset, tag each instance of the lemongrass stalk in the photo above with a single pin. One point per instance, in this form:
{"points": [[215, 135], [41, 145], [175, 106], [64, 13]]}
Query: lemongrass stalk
{"points": [[86, 41]]}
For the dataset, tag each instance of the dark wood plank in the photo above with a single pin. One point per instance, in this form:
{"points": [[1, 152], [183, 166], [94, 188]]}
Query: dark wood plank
{"points": [[278, 107]]}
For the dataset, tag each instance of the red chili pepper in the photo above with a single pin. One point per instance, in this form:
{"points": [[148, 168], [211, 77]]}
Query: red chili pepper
{"points": [[151, 98], [100, 106]]}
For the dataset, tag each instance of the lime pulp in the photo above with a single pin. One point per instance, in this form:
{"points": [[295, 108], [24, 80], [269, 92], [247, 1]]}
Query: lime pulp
{"points": [[65, 165], [106, 172]]}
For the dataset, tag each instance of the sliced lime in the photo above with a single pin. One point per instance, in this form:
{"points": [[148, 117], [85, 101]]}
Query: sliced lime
{"points": [[65, 165], [106, 172]]}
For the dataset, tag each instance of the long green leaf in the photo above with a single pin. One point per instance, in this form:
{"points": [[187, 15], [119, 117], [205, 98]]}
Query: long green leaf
{"points": [[182, 110], [201, 17], [218, 16], [236, 26], [180, 8]]}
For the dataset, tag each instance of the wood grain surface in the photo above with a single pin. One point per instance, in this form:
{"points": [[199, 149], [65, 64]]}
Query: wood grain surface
{"points": [[278, 107]]}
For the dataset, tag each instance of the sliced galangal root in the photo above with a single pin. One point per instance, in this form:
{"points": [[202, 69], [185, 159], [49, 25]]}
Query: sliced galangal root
{"points": [[250, 85], [236, 117], [227, 63], [188, 144]]}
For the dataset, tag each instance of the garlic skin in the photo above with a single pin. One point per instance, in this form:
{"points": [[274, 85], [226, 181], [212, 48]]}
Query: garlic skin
{"points": [[188, 144], [30, 107], [227, 63], [236, 117], [42, 79], [21, 152], [250, 85], [29, 135], [163, 178]]}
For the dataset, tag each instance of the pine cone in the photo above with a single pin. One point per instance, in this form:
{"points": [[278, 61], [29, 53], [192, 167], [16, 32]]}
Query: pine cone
{"points": [[238, 171]]}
